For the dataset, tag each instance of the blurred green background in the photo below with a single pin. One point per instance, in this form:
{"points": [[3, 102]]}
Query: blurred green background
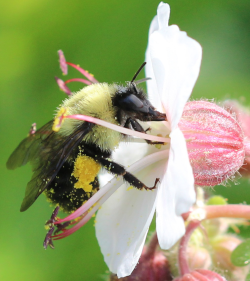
{"points": [[108, 38]]}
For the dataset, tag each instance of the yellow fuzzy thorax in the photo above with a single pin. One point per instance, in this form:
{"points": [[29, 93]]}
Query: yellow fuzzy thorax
{"points": [[85, 171], [96, 101]]}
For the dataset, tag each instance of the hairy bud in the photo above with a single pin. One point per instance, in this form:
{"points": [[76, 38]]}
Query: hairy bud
{"points": [[242, 115], [214, 141], [198, 257]]}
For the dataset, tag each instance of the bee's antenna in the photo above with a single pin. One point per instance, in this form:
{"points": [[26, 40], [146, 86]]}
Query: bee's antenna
{"points": [[138, 71], [142, 80]]}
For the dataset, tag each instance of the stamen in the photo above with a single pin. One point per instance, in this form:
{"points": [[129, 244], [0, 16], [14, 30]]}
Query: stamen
{"points": [[59, 119], [63, 64], [62, 86], [118, 128], [85, 218], [89, 76], [84, 81]]}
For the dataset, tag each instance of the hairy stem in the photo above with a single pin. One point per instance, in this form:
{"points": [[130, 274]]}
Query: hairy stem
{"points": [[182, 257]]}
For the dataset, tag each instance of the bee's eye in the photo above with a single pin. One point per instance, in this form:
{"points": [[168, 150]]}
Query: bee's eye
{"points": [[133, 103]]}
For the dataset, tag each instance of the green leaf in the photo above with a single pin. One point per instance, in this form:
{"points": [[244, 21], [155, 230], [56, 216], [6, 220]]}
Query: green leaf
{"points": [[241, 255], [248, 277], [217, 200]]}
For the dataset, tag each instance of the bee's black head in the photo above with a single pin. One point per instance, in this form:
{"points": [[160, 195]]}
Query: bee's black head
{"points": [[131, 101]]}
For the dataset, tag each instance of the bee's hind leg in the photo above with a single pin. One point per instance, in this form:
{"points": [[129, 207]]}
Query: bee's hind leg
{"points": [[119, 170], [52, 231]]}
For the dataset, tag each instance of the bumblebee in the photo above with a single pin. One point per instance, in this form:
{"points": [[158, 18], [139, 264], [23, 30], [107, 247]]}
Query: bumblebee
{"points": [[66, 163]]}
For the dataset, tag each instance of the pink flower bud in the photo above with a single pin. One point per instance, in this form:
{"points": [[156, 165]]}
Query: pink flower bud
{"points": [[201, 275], [242, 115], [151, 268], [215, 142], [198, 257]]}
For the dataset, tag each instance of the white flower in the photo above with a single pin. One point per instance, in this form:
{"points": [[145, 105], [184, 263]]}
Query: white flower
{"points": [[173, 63]]}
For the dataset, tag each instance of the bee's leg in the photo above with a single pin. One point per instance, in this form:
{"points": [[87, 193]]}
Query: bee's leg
{"points": [[119, 170], [48, 239], [137, 127], [51, 224]]}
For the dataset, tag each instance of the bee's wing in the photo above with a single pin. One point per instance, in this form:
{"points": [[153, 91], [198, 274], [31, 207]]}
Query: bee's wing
{"points": [[29, 147], [47, 152]]}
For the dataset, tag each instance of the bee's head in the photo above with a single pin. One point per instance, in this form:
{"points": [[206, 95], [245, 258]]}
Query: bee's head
{"points": [[132, 102]]}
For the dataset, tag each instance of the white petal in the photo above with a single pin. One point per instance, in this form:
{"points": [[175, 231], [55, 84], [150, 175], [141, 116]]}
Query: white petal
{"points": [[159, 21], [170, 227], [163, 14], [104, 177], [153, 93], [175, 60], [129, 152], [121, 227], [179, 165], [176, 193]]}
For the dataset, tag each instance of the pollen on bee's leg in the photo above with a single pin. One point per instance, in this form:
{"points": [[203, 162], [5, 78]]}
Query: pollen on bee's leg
{"points": [[85, 171]]}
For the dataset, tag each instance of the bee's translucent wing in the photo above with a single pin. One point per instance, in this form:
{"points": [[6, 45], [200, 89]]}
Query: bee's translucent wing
{"points": [[28, 149], [47, 151]]}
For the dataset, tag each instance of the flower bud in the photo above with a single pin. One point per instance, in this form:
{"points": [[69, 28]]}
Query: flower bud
{"points": [[221, 256], [201, 275], [150, 268], [242, 115], [214, 142], [198, 257]]}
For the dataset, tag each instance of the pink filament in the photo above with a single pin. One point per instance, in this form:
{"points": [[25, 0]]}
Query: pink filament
{"points": [[84, 81], [117, 128], [84, 72]]}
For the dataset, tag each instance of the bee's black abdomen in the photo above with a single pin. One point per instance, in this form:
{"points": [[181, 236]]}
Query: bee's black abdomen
{"points": [[62, 192]]}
